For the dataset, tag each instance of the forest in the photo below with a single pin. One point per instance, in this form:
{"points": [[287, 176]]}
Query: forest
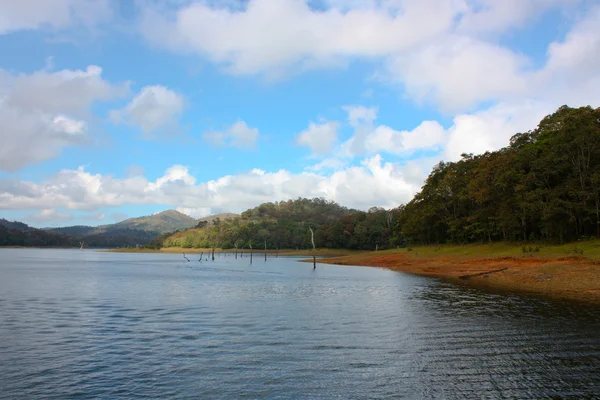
{"points": [[285, 225], [543, 186]]}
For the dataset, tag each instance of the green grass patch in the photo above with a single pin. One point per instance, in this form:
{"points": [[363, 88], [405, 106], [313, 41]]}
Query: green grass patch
{"points": [[588, 249]]}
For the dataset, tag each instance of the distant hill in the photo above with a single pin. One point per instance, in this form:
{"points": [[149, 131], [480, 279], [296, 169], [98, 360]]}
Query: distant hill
{"points": [[14, 224], [131, 232], [79, 230], [166, 221], [163, 222], [20, 234]]}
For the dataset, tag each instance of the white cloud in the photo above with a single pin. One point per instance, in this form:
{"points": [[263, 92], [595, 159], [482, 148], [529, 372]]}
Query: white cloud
{"points": [[238, 135], [428, 135], [571, 74], [48, 216], [370, 138], [458, 72], [69, 126], [134, 170], [360, 115], [268, 36], [57, 14], [445, 52], [373, 183], [328, 164], [65, 91], [43, 112], [320, 138], [155, 108], [361, 119], [493, 16], [492, 129], [477, 132]]}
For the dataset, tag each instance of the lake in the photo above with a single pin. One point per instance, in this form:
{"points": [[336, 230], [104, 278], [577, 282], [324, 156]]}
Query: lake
{"points": [[88, 324]]}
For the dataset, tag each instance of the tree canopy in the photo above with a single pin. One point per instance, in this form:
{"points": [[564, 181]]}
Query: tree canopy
{"points": [[545, 185]]}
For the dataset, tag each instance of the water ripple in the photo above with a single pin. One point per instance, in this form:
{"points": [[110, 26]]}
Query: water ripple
{"points": [[108, 326]]}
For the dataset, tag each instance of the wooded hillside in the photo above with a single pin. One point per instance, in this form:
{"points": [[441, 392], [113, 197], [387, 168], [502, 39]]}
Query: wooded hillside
{"points": [[285, 225], [544, 186], [20, 234]]}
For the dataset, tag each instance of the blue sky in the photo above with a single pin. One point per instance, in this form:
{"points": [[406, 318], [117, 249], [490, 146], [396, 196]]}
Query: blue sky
{"points": [[112, 109]]}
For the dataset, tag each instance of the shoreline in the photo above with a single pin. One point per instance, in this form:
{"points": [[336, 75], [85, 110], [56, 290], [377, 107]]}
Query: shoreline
{"points": [[572, 277], [553, 272]]}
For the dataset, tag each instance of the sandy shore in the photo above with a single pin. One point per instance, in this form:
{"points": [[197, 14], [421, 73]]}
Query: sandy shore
{"points": [[566, 277]]}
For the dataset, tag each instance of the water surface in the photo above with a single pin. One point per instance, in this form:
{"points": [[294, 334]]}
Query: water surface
{"points": [[86, 324]]}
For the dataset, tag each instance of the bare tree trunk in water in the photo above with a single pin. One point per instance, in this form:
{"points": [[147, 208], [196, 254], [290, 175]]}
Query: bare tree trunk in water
{"points": [[265, 249], [250, 243], [312, 239]]}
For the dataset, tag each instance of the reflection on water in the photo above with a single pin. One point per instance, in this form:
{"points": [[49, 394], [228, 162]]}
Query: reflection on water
{"points": [[99, 325]]}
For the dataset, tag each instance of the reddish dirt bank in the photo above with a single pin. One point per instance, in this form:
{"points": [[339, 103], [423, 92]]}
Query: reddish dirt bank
{"points": [[572, 277]]}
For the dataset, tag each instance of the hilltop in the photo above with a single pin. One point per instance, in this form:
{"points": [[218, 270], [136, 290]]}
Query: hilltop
{"points": [[19, 234], [221, 217], [166, 221], [162, 222]]}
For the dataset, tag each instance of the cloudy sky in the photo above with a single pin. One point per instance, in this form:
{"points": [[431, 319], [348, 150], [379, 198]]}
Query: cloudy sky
{"points": [[120, 108]]}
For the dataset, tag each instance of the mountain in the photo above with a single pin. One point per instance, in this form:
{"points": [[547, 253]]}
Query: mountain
{"points": [[163, 222], [79, 230], [20, 234], [131, 232], [14, 224], [166, 221]]}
